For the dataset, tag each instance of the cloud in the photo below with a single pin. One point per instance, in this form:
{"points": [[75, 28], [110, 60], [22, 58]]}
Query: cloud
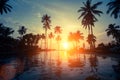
{"points": [[38, 15]]}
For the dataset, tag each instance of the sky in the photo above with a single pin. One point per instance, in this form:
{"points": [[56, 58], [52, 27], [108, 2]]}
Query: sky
{"points": [[63, 13]]}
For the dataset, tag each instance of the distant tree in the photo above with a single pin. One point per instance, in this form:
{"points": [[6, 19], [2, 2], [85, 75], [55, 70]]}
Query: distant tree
{"points": [[42, 38], [78, 36], [58, 31], [71, 38], [51, 36], [46, 25], [88, 13], [114, 8], [22, 30], [7, 42], [75, 37], [4, 6], [91, 39], [30, 40], [58, 39], [114, 31], [101, 46], [5, 31]]}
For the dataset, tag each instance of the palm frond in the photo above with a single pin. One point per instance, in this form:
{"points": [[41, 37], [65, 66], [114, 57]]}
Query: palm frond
{"points": [[96, 5]]}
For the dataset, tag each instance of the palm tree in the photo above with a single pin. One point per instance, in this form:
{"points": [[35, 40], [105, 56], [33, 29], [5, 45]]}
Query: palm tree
{"points": [[91, 39], [5, 31], [78, 36], [58, 39], [4, 6], [51, 36], [46, 25], [114, 8], [71, 38], [42, 38], [88, 13], [114, 31], [22, 30], [58, 31]]}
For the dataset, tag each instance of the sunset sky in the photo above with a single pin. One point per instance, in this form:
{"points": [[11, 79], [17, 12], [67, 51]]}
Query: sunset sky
{"points": [[63, 13]]}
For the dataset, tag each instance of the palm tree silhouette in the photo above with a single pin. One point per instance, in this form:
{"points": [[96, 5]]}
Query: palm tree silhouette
{"points": [[51, 36], [88, 13], [91, 39], [46, 25], [58, 31], [42, 38], [5, 31], [114, 8], [78, 36], [4, 6], [114, 31], [71, 38], [22, 30]]}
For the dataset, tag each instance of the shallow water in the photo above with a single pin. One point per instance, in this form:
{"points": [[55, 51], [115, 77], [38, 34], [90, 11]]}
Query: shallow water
{"points": [[60, 66]]}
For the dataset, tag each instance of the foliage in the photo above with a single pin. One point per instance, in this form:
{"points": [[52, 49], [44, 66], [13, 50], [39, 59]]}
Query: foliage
{"points": [[4, 6], [114, 8]]}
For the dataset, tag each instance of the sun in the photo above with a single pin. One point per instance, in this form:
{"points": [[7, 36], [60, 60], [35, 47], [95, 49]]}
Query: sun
{"points": [[65, 45]]}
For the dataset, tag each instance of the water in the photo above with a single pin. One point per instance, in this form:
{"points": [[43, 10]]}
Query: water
{"points": [[61, 65]]}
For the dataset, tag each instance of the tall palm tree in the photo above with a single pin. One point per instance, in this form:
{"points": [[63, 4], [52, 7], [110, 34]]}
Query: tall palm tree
{"points": [[91, 39], [22, 30], [51, 36], [114, 8], [4, 6], [88, 13], [58, 31], [46, 25], [114, 31]]}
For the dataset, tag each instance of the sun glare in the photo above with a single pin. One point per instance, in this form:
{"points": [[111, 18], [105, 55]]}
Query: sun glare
{"points": [[65, 45]]}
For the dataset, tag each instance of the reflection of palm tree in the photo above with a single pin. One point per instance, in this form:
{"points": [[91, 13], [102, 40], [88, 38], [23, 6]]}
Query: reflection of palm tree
{"points": [[93, 63], [4, 6], [91, 39], [88, 13], [114, 8], [51, 36], [114, 31], [46, 25]]}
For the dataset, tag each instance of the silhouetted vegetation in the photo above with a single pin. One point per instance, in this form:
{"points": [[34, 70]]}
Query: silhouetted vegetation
{"points": [[4, 6], [88, 12], [114, 8]]}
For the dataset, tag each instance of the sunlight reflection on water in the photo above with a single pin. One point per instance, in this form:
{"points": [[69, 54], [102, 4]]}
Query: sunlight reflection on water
{"points": [[61, 66]]}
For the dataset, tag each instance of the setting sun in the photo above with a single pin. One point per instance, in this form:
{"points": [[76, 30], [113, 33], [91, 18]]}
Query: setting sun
{"points": [[65, 45]]}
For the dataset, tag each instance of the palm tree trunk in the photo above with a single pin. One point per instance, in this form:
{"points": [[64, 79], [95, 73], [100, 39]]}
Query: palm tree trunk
{"points": [[88, 29], [45, 38], [91, 30]]}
